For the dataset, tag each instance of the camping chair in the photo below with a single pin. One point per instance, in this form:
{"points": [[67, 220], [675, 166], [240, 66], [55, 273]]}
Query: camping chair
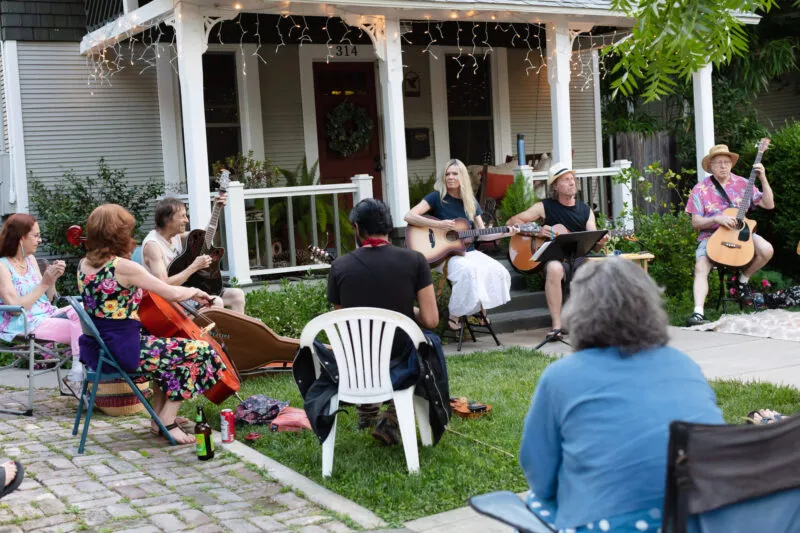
{"points": [[361, 339], [33, 353], [733, 479], [107, 369]]}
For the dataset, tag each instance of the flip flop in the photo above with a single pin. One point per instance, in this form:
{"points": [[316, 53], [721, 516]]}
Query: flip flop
{"points": [[454, 323], [764, 419], [15, 483], [179, 422]]}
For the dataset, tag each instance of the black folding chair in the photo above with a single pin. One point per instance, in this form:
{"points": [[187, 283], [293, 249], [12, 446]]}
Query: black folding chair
{"points": [[733, 479]]}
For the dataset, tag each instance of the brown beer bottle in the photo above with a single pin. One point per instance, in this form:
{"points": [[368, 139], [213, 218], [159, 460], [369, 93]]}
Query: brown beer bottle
{"points": [[202, 434]]}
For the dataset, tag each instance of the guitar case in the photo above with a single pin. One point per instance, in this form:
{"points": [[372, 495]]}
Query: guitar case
{"points": [[249, 343]]}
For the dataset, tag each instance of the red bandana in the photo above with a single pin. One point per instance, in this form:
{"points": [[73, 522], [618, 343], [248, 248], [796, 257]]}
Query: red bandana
{"points": [[374, 242]]}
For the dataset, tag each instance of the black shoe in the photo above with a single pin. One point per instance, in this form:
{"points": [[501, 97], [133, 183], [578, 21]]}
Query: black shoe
{"points": [[367, 418], [387, 430], [696, 319]]}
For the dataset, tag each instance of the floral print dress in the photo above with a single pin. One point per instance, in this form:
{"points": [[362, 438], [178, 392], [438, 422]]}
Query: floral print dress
{"points": [[12, 325], [182, 368]]}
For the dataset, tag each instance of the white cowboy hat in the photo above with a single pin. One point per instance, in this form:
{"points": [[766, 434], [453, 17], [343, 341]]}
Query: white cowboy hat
{"points": [[556, 171], [719, 149]]}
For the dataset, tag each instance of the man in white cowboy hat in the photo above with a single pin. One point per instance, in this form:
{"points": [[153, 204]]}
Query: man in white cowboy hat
{"points": [[706, 205], [561, 207]]}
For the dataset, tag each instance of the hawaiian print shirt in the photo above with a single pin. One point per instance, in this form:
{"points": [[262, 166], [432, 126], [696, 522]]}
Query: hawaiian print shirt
{"points": [[706, 201], [104, 297]]}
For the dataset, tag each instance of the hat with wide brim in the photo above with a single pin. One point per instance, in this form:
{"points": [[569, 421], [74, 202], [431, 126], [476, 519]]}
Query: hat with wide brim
{"points": [[719, 149], [556, 171]]}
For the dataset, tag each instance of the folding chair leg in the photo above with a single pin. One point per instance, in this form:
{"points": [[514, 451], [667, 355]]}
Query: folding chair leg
{"points": [[151, 411], [81, 401], [423, 420], [461, 333], [330, 442], [471, 331], [89, 409], [404, 406]]}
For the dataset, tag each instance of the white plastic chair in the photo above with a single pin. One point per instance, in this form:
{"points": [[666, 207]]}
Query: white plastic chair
{"points": [[361, 339]]}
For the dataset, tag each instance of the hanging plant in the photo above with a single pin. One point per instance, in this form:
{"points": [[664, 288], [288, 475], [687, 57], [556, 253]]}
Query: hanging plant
{"points": [[349, 129]]}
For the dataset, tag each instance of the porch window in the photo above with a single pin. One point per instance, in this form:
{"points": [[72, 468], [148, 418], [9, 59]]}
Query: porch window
{"points": [[223, 130], [469, 108]]}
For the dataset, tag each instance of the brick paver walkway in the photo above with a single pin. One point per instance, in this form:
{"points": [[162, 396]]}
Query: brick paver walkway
{"points": [[128, 481]]}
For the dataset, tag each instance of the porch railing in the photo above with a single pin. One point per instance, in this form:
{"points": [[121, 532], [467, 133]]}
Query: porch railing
{"points": [[247, 225]]}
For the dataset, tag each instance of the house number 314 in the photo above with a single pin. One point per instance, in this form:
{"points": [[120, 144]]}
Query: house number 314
{"points": [[344, 50]]}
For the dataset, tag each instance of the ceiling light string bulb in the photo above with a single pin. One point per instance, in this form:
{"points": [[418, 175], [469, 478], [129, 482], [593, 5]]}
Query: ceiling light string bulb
{"points": [[328, 45], [257, 53], [280, 35], [431, 41], [241, 42], [457, 58], [487, 47], [345, 39]]}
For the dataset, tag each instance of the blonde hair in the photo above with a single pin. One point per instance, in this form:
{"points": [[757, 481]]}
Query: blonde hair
{"points": [[467, 196]]}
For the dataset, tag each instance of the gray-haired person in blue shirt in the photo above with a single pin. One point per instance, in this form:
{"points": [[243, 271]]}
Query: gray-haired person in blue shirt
{"points": [[594, 444]]}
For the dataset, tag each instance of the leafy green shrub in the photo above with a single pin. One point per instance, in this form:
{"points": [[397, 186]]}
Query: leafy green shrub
{"points": [[780, 226], [254, 174], [519, 197], [75, 198], [418, 188], [287, 310]]}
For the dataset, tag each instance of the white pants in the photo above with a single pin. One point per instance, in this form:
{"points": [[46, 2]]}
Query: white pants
{"points": [[478, 280]]}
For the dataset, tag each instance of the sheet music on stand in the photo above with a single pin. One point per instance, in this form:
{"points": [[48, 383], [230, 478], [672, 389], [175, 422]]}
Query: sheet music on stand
{"points": [[568, 246], [540, 251]]}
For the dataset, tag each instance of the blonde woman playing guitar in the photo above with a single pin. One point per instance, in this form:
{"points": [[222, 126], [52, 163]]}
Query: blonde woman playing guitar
{"points": [[479, 282], [707, 206], [561, 208]]}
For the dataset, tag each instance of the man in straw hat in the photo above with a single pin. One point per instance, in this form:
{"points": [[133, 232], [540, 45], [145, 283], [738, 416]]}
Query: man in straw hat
{"points": [[706, 205], [561, 207]]}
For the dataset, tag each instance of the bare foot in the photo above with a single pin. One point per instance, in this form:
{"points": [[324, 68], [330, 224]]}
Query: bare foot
{"points": [[180, 436], [766, 416], [11, 472]]}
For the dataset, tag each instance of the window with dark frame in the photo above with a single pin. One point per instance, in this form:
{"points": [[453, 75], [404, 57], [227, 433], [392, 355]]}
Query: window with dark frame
{"points": [[223, 128], [469, 107]]}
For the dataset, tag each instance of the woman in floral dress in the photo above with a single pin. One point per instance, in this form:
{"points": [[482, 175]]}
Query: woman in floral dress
{"points": [[111, 286]]}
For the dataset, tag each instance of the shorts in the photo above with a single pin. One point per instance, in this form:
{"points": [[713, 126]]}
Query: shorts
{"points": [[701, 249]]}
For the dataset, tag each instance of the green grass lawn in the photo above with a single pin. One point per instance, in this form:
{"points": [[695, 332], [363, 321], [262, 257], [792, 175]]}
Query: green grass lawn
{"points": [[459, 466]]}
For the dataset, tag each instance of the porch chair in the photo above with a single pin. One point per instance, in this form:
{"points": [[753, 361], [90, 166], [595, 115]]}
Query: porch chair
{"points": [[361, 339], [33, 352], [107, 369]]}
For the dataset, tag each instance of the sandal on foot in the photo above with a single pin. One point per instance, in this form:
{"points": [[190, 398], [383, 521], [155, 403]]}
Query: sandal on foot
{"points": [[179, 422], [14, 484], [480, 319], [454, 323], [556, 333], [763, 417]]}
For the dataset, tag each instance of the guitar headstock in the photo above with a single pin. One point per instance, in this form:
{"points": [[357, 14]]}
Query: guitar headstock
{"points": [[224, 179], [320, 256], [763, 144], [488, 158]]}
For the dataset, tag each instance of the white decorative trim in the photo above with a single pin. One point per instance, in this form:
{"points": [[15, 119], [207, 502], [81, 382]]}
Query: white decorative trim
{"points": [[308, 54], [18, 188], [375, 28], [501, 106], [170, 121], [131, 23], [598, 119], [441, 126], [208, 24]]}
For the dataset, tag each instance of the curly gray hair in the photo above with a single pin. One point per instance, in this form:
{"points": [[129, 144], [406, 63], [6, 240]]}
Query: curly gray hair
{"points": [[613, 302]]}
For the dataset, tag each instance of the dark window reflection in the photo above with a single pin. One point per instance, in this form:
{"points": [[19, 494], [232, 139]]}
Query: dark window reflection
{"points": [[223, 130], [469, 107]]}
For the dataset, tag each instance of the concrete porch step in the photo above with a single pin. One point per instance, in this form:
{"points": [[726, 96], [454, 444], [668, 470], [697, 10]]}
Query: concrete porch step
{"points": [[510, 321], [521, 300]]}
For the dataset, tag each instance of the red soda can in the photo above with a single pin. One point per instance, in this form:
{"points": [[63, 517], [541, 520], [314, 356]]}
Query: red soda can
{"points": [[227, 425]]}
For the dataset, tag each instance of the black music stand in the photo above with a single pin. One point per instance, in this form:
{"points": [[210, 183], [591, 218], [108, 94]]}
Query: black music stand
{"points": [[568, 247]]}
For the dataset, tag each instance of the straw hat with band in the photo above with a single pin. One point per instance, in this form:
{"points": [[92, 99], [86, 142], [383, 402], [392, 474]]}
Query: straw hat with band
{"points": [[556, 171], [719, 149]]}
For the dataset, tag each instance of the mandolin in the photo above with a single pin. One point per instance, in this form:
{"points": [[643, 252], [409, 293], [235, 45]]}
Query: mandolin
{"points": [[169, 319], [522, 248], [734, 247], [201, 242], [437, 244]]}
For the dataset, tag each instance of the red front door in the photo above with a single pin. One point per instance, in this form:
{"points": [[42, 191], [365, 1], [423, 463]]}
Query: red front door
{"points": [[335, 83]]}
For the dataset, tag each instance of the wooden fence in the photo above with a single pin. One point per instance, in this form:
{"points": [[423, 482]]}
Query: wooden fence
{"points": [[642, 150]]}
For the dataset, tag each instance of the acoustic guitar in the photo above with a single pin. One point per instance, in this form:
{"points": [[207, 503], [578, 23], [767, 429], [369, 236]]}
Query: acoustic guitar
{"points": [[734, 247], [201, 242], [522, 248], [437, 244]]}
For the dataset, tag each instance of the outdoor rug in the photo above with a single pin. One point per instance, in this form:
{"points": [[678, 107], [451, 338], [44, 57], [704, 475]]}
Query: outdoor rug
{"points": [[773, 323]]}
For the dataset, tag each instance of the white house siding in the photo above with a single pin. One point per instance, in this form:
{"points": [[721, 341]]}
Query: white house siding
{"points": [[529, 95], [418, 113], [3, 102], [780, 104], [281, 107], [69, 128]]}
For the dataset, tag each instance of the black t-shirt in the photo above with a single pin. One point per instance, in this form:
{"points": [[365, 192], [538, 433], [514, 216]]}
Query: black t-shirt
{"points": [[573, 217], [450, 208], [387, 277]]}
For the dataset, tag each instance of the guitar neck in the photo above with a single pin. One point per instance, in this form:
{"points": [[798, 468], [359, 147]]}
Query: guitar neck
{"points": [[211, 229], [748, 192], [478, 232]]}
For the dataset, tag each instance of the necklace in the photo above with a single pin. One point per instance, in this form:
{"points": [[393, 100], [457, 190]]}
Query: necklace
{"points": [[19, 265]]}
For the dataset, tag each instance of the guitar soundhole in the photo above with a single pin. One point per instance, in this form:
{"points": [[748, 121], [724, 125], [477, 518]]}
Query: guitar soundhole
{"points": [[451, 235]]}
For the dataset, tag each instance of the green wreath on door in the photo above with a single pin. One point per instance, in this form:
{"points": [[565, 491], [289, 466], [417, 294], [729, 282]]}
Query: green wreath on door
{"points": [[349, 129]]}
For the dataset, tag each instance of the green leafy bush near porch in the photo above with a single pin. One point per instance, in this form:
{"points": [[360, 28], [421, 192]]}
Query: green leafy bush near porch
{"points": [[58, 208], [289, 308], [519, 197], [419, 187], [251, 172], [780, 226]]}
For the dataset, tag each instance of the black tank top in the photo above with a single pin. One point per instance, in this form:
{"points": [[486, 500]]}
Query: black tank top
{"points": [[573, 217]]}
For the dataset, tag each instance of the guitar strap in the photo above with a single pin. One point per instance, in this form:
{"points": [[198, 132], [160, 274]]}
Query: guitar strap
{"points": [[721, 191]]}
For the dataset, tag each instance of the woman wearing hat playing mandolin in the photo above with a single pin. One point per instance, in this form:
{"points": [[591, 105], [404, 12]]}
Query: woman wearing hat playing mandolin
{"points": [[707, 205]]}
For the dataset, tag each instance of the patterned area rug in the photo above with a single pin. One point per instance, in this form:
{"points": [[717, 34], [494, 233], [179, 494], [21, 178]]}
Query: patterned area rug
{"points": [[773, 323]]}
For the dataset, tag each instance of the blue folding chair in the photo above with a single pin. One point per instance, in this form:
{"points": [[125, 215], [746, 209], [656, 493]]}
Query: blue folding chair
{"points": [[107, 369]]}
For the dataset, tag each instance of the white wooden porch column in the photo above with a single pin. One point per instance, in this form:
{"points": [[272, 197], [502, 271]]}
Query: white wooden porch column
{"points": [[703, 116], [390, 72], [191, 42], [559, 52]]}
